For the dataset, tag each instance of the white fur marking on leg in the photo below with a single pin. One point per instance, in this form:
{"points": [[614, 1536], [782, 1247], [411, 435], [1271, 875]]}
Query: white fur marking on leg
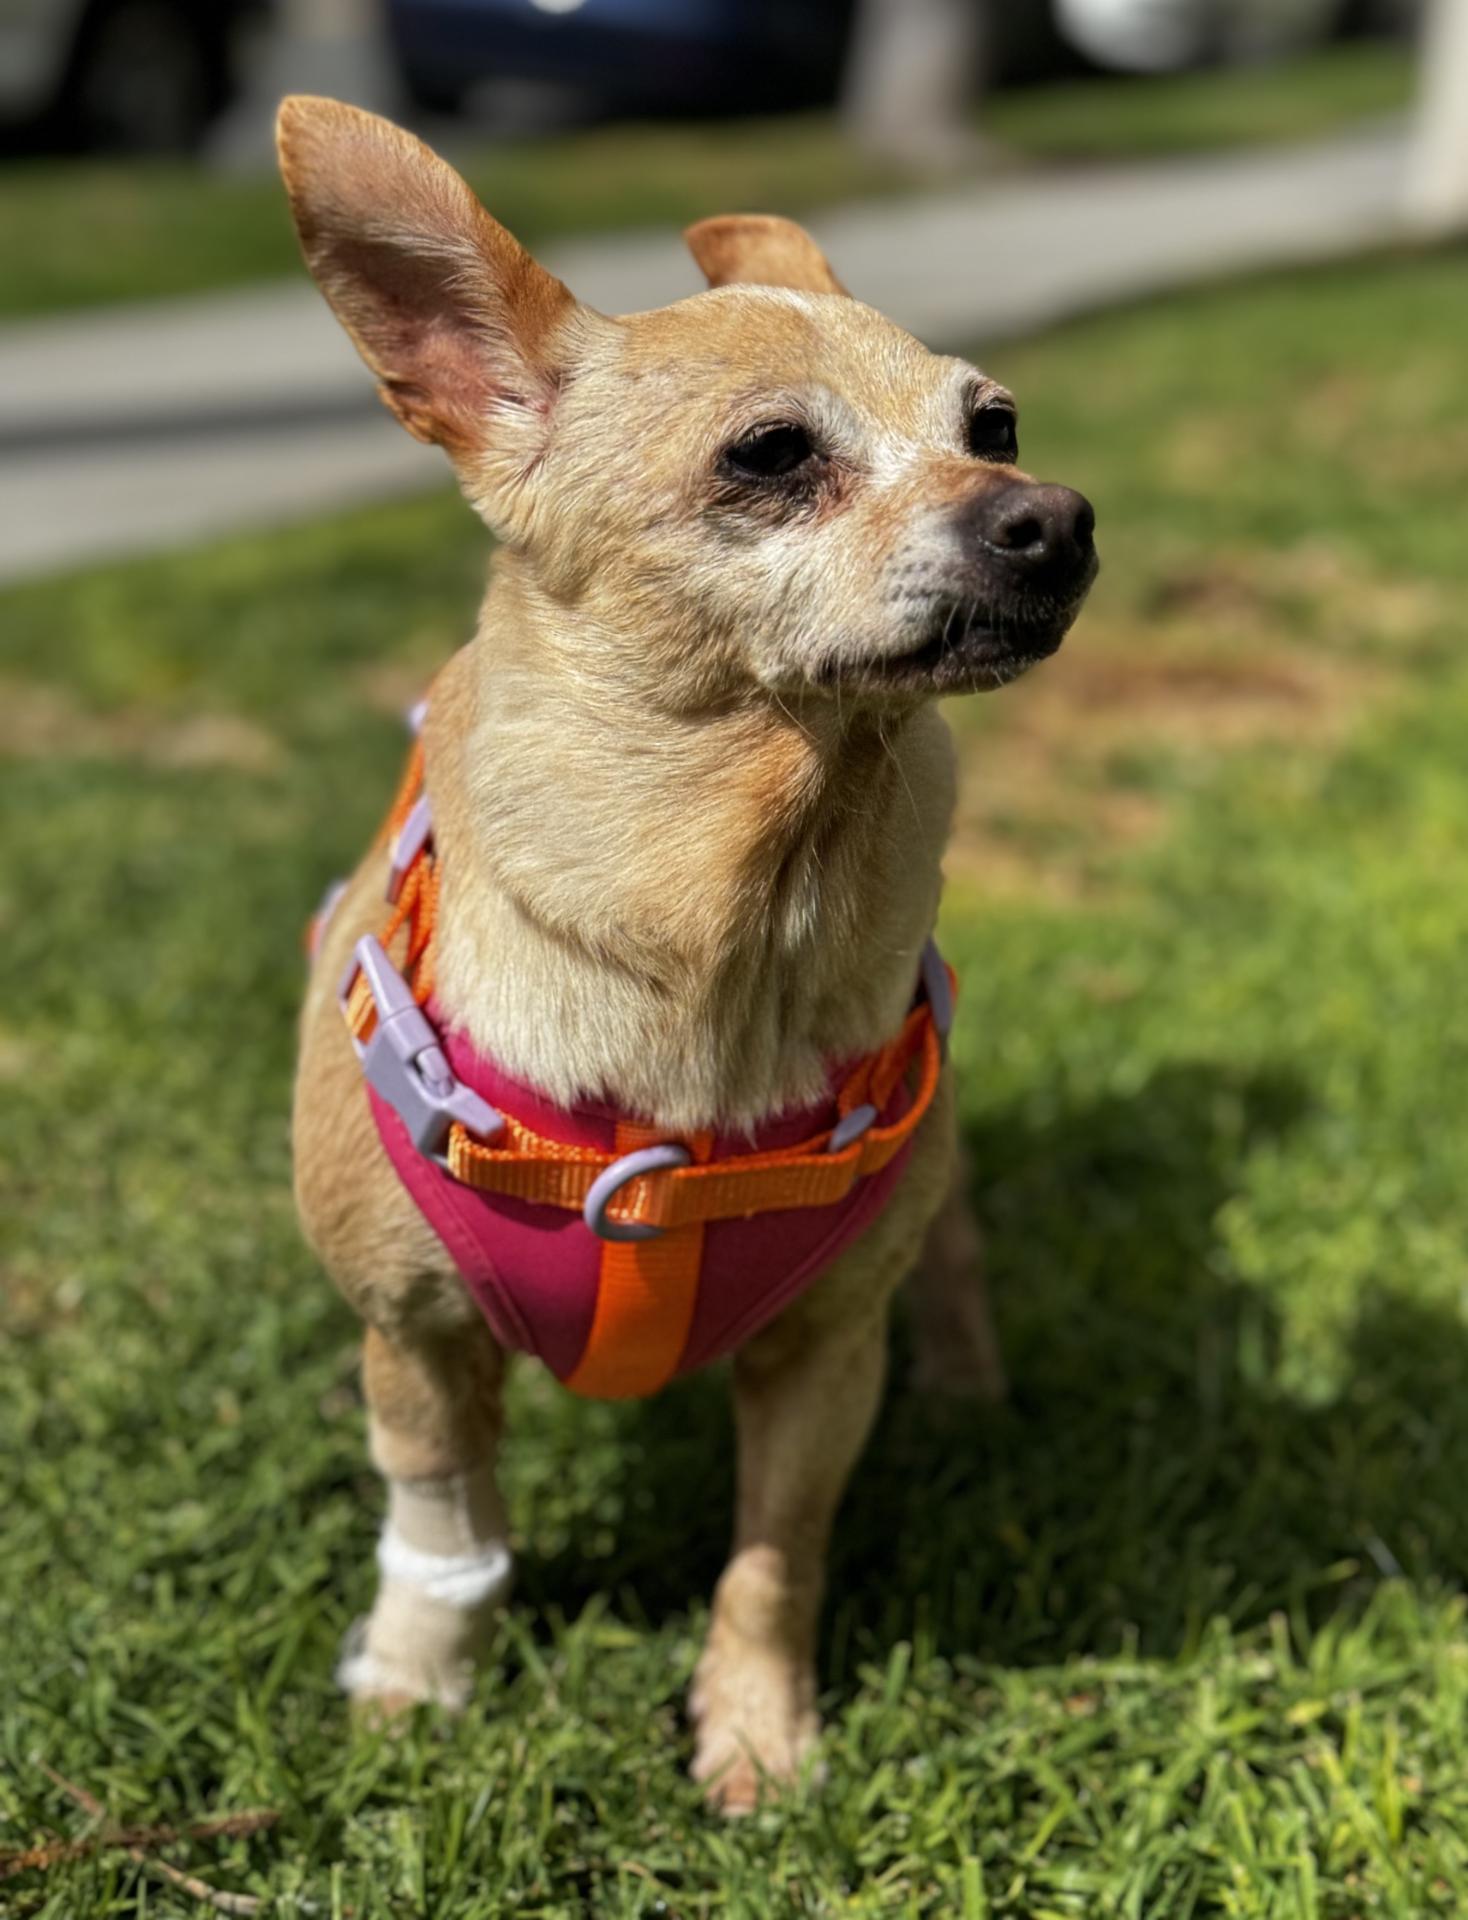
{"points": [[467, 1580], [445, 1569]]}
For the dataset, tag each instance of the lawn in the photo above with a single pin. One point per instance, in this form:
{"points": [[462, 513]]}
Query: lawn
{"points": [[1180, 1631], [171, 229]]}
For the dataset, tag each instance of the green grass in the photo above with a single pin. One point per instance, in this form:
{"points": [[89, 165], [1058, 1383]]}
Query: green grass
{"points": [[1125, 118], [79, 233], [1180, 1631], [172, 229]]}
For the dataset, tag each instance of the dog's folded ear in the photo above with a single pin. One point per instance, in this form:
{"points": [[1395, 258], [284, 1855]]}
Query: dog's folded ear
{"points": [[761, 250], [449, 311]]}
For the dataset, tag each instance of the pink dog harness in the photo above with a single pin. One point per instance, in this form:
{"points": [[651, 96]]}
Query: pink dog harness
{"points": [[620, 1254]]}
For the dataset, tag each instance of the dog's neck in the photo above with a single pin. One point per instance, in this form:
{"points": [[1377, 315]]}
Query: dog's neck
{"points": [[691, 916]]}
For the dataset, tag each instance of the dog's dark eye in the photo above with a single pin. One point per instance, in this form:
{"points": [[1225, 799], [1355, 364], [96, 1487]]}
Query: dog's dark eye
{"points": [[992, 435], [769, 452]]}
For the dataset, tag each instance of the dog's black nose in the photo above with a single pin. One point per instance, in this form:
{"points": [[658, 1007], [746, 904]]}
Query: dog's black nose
{"points": [[1043, 533]]}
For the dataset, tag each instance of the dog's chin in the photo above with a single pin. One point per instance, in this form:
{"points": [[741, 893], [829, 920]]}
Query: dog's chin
{"points": [[964, 650]]}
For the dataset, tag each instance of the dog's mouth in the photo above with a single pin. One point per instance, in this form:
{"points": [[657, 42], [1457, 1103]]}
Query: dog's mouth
{"points": [[967, 648]]}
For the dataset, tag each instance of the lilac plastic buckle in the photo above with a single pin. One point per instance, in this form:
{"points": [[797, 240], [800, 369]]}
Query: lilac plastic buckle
{"points": [[405, 1063], [609, 1183], [851, 1128], [411, 840], [939, 991]]}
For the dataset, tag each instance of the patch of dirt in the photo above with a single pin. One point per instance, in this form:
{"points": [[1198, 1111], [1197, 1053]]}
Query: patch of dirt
{"points": [[1093, 753], [1113, 699], [1257, 599], [43, 722], [1362, 606]]}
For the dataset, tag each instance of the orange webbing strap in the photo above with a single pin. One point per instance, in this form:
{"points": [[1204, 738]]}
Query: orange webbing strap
{"points": [[417, 911], [416, 908], [409, 788], [529, 1167], [645, 1296]]}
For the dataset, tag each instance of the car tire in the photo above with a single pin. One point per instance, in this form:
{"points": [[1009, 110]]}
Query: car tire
{"points": [[432, 93], [145, 77]]}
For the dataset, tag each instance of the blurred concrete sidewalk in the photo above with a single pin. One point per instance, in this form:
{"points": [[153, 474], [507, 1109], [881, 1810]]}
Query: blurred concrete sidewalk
{"points": [[147, 426]]}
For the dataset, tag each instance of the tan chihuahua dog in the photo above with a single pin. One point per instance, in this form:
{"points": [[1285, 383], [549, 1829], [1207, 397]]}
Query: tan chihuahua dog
{"points": [[689, 794]]}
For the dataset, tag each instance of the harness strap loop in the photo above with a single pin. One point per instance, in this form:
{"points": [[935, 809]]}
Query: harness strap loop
{"points": [[645, 1297]]}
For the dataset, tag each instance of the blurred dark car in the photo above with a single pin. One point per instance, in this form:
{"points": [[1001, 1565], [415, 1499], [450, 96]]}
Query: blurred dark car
{"points": [[655, 56], [143, 76], [733, 56]]}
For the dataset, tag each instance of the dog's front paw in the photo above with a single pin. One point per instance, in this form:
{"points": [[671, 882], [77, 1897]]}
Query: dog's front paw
{"points": [[385, 1684], [755, 1723], [428, 1628]]}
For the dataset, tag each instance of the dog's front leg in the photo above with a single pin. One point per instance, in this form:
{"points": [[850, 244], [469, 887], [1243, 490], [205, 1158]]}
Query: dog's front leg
{"points": [[434, 1407], [805, 1395]]}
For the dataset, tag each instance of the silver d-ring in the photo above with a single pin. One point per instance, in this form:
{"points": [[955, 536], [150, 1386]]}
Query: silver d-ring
{"points": [[609, 1183]]}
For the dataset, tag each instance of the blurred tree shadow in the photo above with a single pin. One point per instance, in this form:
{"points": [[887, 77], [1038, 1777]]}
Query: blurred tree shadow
{"points": [[1148, 1474]]}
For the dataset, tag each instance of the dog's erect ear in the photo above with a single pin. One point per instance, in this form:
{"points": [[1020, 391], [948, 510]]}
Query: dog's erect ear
{"points": [[761, 250], [448, 310]]}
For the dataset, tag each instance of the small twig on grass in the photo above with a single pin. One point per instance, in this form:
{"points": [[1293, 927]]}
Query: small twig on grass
{"points": [[53, 1853], [135, 1844]]}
